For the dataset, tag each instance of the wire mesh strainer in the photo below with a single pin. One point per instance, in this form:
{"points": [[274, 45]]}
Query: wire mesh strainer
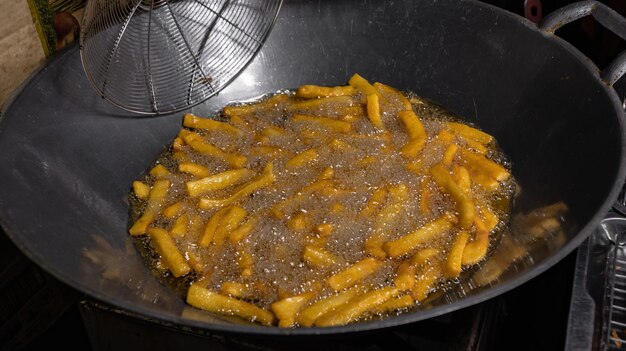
{"points": [[162, 56]]}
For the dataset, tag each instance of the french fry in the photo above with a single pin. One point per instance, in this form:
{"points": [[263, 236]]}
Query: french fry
{"points": [[397, 303], [464, 203], [245, 263], [235, 289], [394, 94], [452, 266], [318, 257], [373, 111], [287, 309], [165, 246], [141, 189], [462, 178], [194, 169], [248, 109], [385, 220], [357, 306], [155, 200], [141, 225], [180, 226], [215, 182], [242, 231], [304, 158], [425, 233], [228, 224], [195, 122], [198, 144], [374, 203], [415, 131], [208, 300], [478, 163], [470, 132], [425, 281], [160, 172], [324, 229], [331, 124], [362, 85], [354, 273], [178, 144], [405, 276], [317, 186], [299, 222], [448, 155], [476, 250], [316, 91], [173, 210], [313, 312], [423, 256], [263, 180], [211, 226]]}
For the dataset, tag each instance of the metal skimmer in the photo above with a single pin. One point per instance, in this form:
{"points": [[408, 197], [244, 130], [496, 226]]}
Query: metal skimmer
{"points": [[162, 56]]}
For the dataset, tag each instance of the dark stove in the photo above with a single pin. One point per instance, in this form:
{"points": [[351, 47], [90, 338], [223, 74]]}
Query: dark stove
{"points": [[38, 312]]}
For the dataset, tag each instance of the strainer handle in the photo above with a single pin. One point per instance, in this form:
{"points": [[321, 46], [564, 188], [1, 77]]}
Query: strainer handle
{"points": [[606, 16]]}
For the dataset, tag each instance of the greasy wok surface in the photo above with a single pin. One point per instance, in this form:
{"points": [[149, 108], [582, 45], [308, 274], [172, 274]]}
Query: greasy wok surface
{"points": [[68, 157]]}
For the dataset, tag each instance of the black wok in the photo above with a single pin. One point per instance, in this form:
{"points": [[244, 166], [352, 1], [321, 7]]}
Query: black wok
{"points": [[68, 157]]}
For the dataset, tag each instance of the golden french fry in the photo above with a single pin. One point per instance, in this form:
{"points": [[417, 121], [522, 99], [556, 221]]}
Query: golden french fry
{"points": [[478, 163], [228, 224], [425, 281], [287, 309], [195, 122], [160, 172], [266, 178], [194, 169], [464, 203], [245, 263], [405, 276], [304, 158], [318, 257], [198, 144], [397, 303], [385, 220], [384, 89], [452, 266], [180, 225], [354, 273], [211, 226], [243, 110], [476, 250], [242, 231], [173, 210], [312, 313], [423, 256], [362, 85], [373, 111], [141, 189], [462, 178], [157, 196], [470, 132], [448, 155], [165, 246], [215, 182], [316, 91], [317, 186], [141, 225], [235, 289], [178, 144], [323, 229], [208, 300], [415, 131], [377, 199], [425, 233], [357, 306], [299, 222], [331, 124]]}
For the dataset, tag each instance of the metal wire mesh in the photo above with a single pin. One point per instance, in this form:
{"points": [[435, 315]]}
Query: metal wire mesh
{"points": [[162, 56], [615, 329]]}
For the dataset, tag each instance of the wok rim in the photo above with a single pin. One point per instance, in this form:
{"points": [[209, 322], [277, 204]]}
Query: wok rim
{"points": [[402, 319]]}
